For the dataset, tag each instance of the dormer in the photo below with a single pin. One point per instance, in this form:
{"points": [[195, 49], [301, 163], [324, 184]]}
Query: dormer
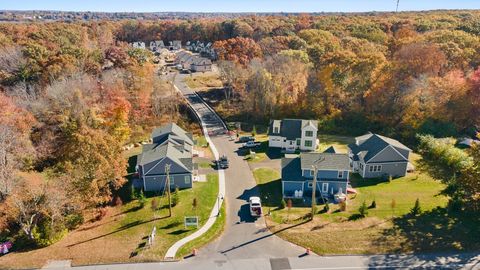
{"points": [[276, 126]]}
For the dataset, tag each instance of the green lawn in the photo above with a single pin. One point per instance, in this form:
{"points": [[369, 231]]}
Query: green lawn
{"points": [[169, 229], [203, 81], [384, 230], [339, 142]]}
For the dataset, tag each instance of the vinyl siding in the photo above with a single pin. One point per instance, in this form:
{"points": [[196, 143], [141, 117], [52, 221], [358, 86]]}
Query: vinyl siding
{"points": [[157, 182], [395, 169]]}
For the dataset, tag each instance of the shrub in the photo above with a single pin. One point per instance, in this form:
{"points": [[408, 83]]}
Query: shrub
{"points": [[133, 193], [373, 205], [45, 235], [254, 131], [72, 221], [326, 208], [154, 204], [343, 206], [363, 210], [283, 204], [175, 197], [101, 213], [117, 201], [141, 199], [416, 210], [194, 203]]}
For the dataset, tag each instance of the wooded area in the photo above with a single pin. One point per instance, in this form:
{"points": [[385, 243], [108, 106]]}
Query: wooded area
{"points": [[73, 94]]}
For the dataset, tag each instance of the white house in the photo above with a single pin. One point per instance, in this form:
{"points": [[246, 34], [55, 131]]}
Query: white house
{"points": [[138, 45], [293, 134]]}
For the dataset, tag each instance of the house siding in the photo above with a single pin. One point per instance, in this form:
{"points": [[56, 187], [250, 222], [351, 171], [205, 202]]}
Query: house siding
{"points": [[157, 182], [395, 169], [158, 167], [290, 187], [304, 138], [327, 174], [333, 187]]}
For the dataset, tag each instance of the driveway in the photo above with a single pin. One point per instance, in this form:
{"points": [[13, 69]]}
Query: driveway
{"points": [[244, 237]]}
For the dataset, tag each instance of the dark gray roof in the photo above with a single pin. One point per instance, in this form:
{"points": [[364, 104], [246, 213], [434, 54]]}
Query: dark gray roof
{"points": [[291, 169], [201, 61], [172, 131], [331, 150], [325, 161], [372, 144], [169, 141], [291, 128]]}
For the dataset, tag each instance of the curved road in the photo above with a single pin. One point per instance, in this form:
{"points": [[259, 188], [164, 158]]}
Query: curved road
{"points": [[244, 237]]}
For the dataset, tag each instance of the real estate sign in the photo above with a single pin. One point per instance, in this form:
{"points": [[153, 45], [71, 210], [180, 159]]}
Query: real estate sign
{"points": [[191, 221]]}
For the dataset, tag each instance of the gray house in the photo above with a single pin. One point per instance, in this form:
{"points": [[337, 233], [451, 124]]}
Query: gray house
{"points": [[332, 175], [171, 146], [201, 64], [373, 155]]}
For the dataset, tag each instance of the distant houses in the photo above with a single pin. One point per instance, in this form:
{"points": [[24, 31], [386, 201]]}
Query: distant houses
{"points": [[293, 134], [192, 62], [373, 156], [138, 45], [171, 147]]}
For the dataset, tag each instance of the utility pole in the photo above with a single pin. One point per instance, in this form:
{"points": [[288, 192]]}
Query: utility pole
{"points": [[314, 189], [167, 172], [398, 2]]}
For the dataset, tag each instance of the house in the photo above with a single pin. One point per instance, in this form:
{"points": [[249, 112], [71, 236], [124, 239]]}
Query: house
{"points": [[467, 142], [373, 155], [156, 45], [332, 174], [201, 64], [173, 146], [185, 59], [176, 45], [293, 134], [138, 45]]}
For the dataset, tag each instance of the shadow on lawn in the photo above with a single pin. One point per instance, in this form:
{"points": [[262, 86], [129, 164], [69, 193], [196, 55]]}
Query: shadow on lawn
{"points": [[438, 229], [122, 228], [271, 193]]}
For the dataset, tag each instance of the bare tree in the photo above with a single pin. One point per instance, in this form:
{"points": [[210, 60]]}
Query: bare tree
{"points": [[12, 59], [8, 163]]}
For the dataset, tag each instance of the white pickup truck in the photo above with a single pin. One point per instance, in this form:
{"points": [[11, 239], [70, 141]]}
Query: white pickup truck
{"points": [[255, 206], [250, 144]]}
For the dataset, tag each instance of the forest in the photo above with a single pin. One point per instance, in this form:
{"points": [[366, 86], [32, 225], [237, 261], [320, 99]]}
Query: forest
{"points": [[74, 94]]}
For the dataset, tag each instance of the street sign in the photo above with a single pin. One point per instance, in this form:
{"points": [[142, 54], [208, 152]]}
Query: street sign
{"points": [[191, 221]]}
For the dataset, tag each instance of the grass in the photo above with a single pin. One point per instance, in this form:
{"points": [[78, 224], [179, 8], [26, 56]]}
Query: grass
{"points": [[205, 165], [384, 230], [203, 81], [214, 232], [121, 236], [339, 142]]}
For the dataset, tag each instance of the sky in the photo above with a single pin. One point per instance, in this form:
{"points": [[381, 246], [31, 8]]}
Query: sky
{"points": [[236, 5]]}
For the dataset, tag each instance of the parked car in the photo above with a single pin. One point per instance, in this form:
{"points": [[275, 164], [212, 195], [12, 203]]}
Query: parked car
{"points": [[222, 162], [255, 206], [250, 144], [185, 71], [245, 139]]}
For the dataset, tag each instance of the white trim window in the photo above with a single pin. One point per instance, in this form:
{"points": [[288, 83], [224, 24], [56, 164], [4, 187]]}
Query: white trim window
{"points": [[310, 184], [308, 143], [375, 168], [187, 179], [308, 133], [324, 187], [340, 174]]}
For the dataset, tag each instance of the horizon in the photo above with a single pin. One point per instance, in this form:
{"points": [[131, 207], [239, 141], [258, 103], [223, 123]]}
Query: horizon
{"points": [[246, 6]]}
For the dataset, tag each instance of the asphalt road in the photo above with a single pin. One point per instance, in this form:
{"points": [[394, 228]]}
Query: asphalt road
{"points": [[244, 237]]}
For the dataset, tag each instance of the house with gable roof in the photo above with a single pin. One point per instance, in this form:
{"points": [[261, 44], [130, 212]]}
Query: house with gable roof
{"points": [[173, 146], [293, 134], [374, 155]]}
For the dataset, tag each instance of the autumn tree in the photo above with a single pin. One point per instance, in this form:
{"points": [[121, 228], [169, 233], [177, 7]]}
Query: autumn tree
{"points": [[239, 49]]}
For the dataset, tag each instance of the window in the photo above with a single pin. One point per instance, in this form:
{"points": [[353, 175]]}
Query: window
{"points": [[324, 187], [340, 174], [308, 143], [310, 184], [312, 173], [298, 142], [187, 179], [275, 130], [375, 168], [308, 133]]}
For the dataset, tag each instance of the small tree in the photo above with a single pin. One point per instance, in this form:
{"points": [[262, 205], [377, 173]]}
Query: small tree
{"points": [[154, 204], [283, 204], [416, 210], [195, 205], [254, 131], [175, 197], [141, 199], [393, 204], [343, 206], [326, 208], [374, 204], [363, 210], [133, 193], [390, 178]]}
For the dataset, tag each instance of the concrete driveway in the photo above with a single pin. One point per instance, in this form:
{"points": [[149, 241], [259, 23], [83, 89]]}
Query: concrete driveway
{"points": [[244, 237]]}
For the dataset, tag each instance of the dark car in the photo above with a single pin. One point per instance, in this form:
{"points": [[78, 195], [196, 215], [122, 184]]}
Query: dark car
{"points": [[222, 162], [245, 139], [185, 71]]}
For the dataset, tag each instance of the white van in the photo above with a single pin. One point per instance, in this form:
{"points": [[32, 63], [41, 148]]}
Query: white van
{"points": [[255, 206]]}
